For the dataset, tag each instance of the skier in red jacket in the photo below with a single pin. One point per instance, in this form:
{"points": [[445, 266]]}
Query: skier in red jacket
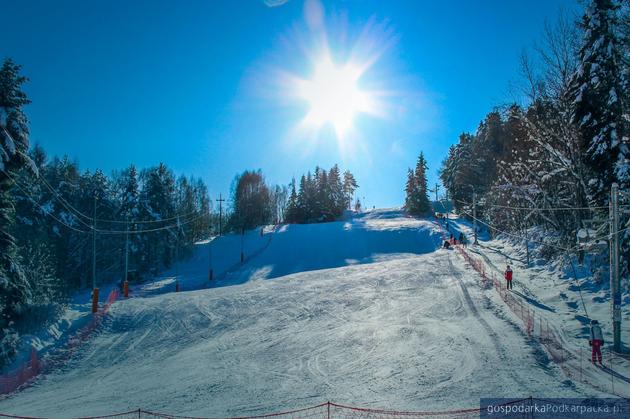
{"points": [[596, 342], [508, 277]]}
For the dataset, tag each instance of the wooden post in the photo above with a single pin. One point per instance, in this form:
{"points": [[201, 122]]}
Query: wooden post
{"points": [[126, 289], [94, 300]]}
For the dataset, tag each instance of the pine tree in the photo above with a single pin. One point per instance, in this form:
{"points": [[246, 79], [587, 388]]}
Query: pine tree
{"points": [[596, 88], [203, 207], [302, 201], [292, 212], [417, 199], [14, 289], [410, 188], [349, 186], [158, 203], [335, 190]]}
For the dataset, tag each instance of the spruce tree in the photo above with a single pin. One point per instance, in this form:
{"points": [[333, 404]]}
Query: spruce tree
{"points": [[335, 189], [349, 186], [291, 215], [410, 188], [596, 90], [419, 200], [14, 289]]}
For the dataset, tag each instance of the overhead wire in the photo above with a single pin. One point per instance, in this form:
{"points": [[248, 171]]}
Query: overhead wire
{"points": [[44, 210], [68, 206], [565, 255], [104, 220], [91, 228]]}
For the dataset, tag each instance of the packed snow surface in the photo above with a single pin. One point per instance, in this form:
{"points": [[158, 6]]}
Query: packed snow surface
{"points": [[368, 311]]}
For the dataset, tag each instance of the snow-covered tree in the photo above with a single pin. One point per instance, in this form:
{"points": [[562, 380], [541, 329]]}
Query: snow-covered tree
{"points": [[417, 199], [14, 288], [596, 90], [291, 215], [349, 186]]}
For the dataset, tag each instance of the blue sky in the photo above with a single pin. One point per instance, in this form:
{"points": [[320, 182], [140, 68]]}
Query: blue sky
{"points": [[200, 85]]}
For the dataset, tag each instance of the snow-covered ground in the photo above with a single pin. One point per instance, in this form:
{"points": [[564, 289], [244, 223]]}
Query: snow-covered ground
{"points": [[368, 311], [554, 293]]}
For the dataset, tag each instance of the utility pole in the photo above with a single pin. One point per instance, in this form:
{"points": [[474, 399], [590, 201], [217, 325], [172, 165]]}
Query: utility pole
{"points": [[210, 273], [527, 244], [94, 289], [437, 188], [474, 215], [220, 201], [94, 245], [615, 286], [127, 253], [177, 257]]}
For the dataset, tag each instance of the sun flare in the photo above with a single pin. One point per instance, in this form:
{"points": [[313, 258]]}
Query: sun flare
{"points": [[334, 96]]}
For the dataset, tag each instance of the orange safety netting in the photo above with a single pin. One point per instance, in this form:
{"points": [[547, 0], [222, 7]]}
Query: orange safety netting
{"points": [[26, 372], [327, 410]]}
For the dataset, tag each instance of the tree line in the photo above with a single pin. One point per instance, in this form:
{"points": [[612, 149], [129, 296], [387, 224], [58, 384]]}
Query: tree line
{"points": [[50, 209], [551, 161], [320, 197], [54, 216]]}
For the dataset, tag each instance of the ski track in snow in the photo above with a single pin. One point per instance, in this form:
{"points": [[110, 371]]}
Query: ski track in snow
{"points": [[407, 329]]}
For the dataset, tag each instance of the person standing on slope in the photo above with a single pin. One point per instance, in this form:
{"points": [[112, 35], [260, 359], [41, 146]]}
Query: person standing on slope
{"points": [[508, 277], [596, 342]]}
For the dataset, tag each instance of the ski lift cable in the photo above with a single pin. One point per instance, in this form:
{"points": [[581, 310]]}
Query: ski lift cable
{"points": [[103, 220], [565, 255], [542, 209], [505, 232], [66, 204], [56, 195], [150, 230], [99, 231], [78, 213], [40, 206], [605, 236]]}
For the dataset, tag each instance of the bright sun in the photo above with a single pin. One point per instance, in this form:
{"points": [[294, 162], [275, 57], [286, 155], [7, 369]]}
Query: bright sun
{"points": [[334, 96]]}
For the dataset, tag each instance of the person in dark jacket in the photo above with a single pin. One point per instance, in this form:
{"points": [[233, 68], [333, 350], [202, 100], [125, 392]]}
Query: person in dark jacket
{"points": [[596, 342]]}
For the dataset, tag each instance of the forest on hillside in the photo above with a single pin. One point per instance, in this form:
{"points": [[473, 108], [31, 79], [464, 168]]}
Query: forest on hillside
{"points": [[320, 197], [63, 229], [551, 162]]}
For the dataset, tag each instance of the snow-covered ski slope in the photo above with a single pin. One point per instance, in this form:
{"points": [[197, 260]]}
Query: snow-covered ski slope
{"points": [[368, 312], [562, 301]]}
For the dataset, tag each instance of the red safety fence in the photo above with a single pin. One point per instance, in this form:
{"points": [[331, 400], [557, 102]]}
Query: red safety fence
{"points": [[536, 326], [327, 410], [26, 372]]}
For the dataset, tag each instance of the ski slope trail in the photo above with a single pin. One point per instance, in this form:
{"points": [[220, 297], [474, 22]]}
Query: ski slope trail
{"points": [[391, 322]]}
